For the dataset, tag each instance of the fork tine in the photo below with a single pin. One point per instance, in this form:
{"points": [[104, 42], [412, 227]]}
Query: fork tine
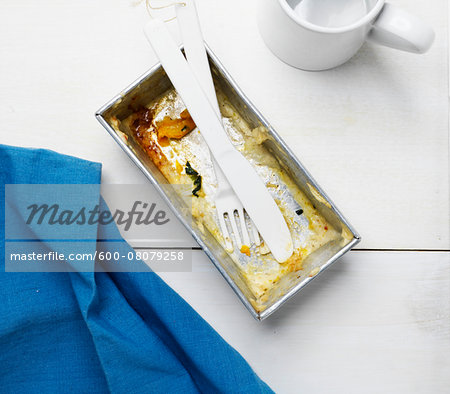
{"points": [[225, 233], [234, 226], [244, 230]]}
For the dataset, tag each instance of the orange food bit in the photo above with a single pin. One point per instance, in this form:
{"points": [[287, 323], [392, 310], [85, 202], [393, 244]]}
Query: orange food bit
{"points": [[164, 141], [179, 167], [175, 128], [185, 114], [245, 250]]}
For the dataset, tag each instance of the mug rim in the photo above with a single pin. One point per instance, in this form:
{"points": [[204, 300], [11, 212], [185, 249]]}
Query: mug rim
{"points": [[321, 29]]}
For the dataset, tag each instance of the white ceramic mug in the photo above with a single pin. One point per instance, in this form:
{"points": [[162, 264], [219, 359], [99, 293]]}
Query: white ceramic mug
{"points": [[322, 34]]}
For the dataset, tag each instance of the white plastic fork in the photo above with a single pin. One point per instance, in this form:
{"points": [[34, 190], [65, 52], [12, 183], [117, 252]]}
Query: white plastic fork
{"points": [[226, 201]]}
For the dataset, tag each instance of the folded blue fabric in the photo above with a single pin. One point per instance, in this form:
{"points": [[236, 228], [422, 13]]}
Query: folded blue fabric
{"points": [[97, 332]]}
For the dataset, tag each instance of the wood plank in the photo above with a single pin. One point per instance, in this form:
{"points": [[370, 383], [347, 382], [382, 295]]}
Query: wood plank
{"points": [[374, 322]]}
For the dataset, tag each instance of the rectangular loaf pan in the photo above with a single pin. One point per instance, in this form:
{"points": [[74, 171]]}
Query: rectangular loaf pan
{"points": [[152, 85]]}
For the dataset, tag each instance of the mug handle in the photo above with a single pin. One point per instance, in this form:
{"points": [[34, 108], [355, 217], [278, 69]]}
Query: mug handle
{"points": [[398, 29]]}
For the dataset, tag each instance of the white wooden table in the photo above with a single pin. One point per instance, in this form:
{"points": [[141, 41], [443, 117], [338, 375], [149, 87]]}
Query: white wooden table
{"points": [[374, 133]]}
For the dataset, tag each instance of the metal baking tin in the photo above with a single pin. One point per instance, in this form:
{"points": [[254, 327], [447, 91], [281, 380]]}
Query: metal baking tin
{"points": [[152, 85]]}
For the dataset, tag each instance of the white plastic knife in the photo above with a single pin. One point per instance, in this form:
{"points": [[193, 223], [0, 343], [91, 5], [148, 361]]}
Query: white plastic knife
{"points": [[244, 180]]}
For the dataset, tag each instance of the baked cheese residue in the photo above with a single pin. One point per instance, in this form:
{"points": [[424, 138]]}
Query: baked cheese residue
{"points": [[166, 132]]}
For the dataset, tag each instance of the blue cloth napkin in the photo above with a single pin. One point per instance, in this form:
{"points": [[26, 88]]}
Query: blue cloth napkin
{"points": [[96, 332]]}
